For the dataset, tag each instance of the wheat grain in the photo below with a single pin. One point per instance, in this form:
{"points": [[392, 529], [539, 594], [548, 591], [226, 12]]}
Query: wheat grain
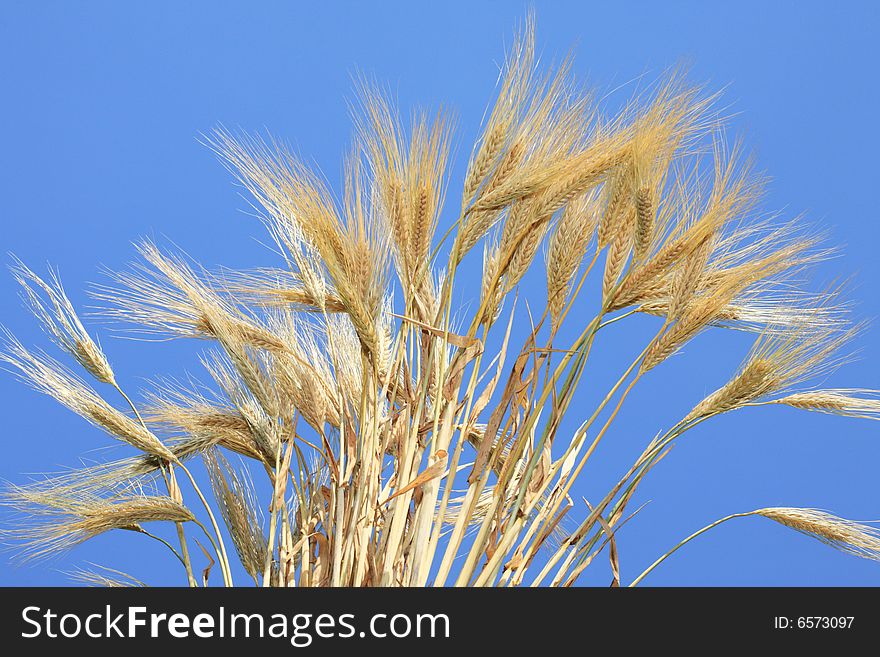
{"points": [[361, 373]]}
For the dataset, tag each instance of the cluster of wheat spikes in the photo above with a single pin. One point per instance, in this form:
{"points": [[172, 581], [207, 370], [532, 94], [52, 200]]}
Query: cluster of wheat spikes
{"points": [[398, 449]]}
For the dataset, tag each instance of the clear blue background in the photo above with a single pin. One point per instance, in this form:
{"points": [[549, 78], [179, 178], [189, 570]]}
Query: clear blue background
{"points": [[102, 103]]}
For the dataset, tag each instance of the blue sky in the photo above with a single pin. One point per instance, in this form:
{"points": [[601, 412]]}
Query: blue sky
{"points": [[103, 103]]}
